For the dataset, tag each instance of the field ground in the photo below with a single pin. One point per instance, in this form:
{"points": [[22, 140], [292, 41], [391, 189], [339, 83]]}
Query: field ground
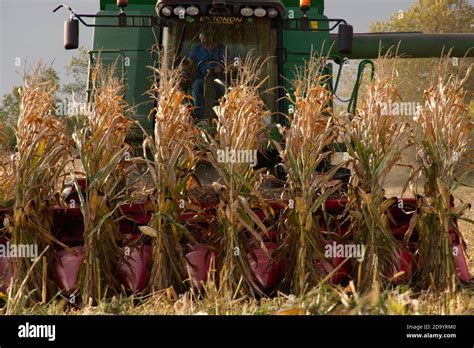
{"points": [[323, 300]]}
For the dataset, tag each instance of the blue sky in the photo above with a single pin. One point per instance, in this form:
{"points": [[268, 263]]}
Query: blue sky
{"points": [[30, 31]]}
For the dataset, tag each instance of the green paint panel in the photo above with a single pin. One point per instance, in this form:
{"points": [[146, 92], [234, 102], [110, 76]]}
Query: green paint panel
{"points": [[410, 45], [298, 44], [132, 4], [132, 52]]}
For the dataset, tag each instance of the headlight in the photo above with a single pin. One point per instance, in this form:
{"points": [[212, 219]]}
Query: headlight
{"points": [[179, 11], [167, 11], [260, 12], [246, 12], [192, 11], [272, 12]]}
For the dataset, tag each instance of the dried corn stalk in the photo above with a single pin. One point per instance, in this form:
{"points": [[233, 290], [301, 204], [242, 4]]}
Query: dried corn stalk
{"points": [[241, 117], [172, 162], [307, 140], [40, 161], [375, 142], [103, 152]]}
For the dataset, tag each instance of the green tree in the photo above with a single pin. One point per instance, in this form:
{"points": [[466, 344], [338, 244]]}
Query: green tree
{"points": [[9, 111], [429, 16], [76, 90], [10, 107], [77, 69], [48, 76]]}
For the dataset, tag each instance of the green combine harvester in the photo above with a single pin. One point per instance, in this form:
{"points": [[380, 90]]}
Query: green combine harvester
{"points": [[133, 33]]}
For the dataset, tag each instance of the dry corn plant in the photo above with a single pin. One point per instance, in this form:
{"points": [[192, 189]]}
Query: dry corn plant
{"points": [[100, 143], [37, 167], [232, 152], [172, 161], [444, 161], [310, 134], [375, 141]]}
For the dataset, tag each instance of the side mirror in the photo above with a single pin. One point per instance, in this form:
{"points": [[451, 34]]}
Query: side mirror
{"points": [[71, 34], [345, 37]]}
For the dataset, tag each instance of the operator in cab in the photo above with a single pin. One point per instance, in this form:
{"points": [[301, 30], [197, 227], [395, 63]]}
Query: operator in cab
{"points": [[207, 57]]}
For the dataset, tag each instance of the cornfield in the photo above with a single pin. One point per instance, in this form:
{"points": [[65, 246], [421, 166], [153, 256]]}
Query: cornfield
{"points": [[244, 220]]}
